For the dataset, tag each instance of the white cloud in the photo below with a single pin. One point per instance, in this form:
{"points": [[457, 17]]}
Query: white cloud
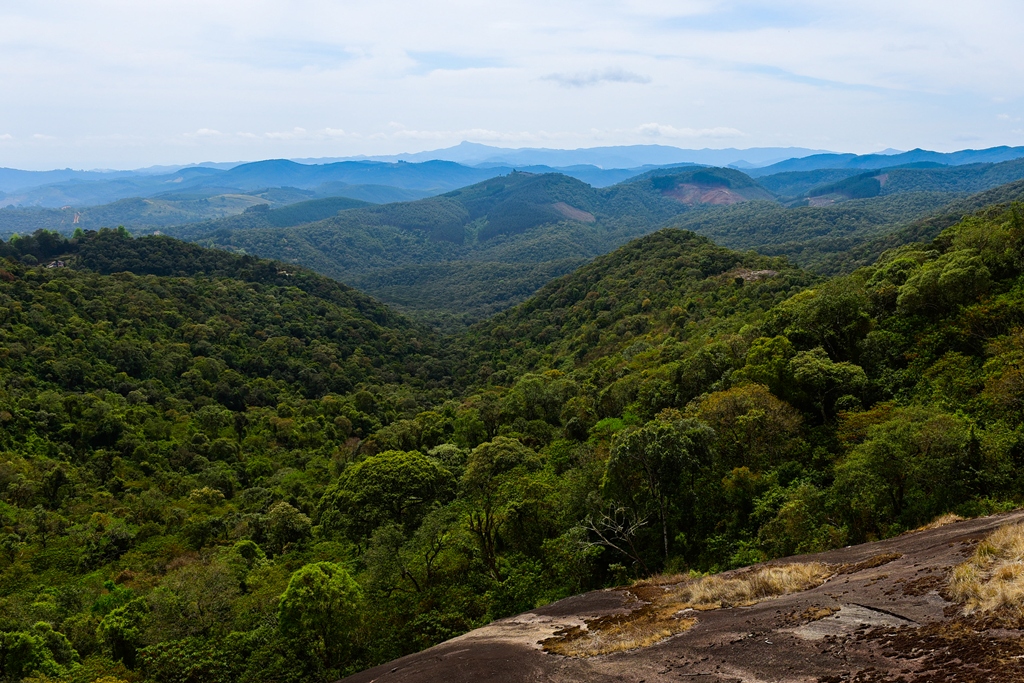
{"points": [[293, 134], [582, 80], [5, 137], [788, 72], [658, 130]]}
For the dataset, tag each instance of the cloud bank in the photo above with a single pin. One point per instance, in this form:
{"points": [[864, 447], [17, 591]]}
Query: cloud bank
{"points": [[119, 84]]}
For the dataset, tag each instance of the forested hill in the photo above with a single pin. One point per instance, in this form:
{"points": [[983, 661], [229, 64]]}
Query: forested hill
{"points": [[841, 237], [829, 185], [235, 471], [458, 258], [669, 280], [466, 254]]}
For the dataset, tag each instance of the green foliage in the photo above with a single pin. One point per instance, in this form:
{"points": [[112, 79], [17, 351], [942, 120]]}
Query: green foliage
{"points": [[319, 611], [216, 468], [121, 630], [651, 467], [915, 465], [394, 487]]}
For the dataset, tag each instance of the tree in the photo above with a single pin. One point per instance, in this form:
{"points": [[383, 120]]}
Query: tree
{"points": [[394, 560], [824, 380], [392, 487], [833, 316], [194, 600], [650, 465], [121, 630], [285, 526], [23, 654], [752, 427], [319, 610], [911, 467], [953, 279], [489, 489], [768, 364]]}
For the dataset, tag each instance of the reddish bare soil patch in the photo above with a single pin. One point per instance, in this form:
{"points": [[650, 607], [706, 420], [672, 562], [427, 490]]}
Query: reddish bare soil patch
{"points": [[572, 213], [699, 194]]}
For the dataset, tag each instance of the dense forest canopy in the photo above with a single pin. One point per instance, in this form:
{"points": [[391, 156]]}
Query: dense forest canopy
{"points": [[458, 258], [215, 467], [454, 259]]}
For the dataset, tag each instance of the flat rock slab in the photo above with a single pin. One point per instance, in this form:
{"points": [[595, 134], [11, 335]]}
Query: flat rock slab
{"points": [[850, 628], [848, 619]]}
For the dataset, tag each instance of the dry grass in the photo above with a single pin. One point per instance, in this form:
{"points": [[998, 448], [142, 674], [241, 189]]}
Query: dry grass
{"points": [[941, 520], [748, 588], [993, 579], [668, 599], [870, 563]]}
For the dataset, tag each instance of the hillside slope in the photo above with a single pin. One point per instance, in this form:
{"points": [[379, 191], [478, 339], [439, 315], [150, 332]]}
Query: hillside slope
{"points": [[468, 253], [874, 161], [217, 468]]}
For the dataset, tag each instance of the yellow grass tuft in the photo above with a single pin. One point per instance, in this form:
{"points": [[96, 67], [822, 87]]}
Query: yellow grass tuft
{"points": [[669, 599], [748, 588], [993, 578], [941, 520]]}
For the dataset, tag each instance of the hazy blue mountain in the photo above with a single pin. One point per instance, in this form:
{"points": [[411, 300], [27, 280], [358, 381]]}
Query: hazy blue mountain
{"points": [[346, 178], [13, 179], [373, 181], [827, 186], [877, 161], [621, 156]]}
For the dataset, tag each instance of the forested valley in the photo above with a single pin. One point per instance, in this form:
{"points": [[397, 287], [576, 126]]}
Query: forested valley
{"points": [[218, 468], [458, 258]]}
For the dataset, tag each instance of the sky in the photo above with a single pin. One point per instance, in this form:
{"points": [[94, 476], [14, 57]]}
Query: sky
{"points": [[126, 84]]}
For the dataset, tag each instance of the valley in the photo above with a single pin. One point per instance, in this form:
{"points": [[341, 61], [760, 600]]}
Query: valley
{"points": [[219, 467], [177, 417]]}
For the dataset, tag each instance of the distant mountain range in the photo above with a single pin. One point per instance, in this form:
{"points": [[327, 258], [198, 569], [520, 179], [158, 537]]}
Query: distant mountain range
{"points": [[373, 181], [620, 156], [919, 158], [162, 196]]}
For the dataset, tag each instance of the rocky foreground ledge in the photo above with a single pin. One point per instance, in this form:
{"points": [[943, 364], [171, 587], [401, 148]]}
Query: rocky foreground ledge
{"points": [[882, 616]]}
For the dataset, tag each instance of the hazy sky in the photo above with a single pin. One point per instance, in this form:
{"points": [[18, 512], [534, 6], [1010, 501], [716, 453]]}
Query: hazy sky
{"points": [[119, 84]]}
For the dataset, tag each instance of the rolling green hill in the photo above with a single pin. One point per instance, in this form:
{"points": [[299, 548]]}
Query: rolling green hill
{"points": [[808, 234], [176, 209], [841, 237], [461, 256], [827, 186], [220, 469], [798, 183]]}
